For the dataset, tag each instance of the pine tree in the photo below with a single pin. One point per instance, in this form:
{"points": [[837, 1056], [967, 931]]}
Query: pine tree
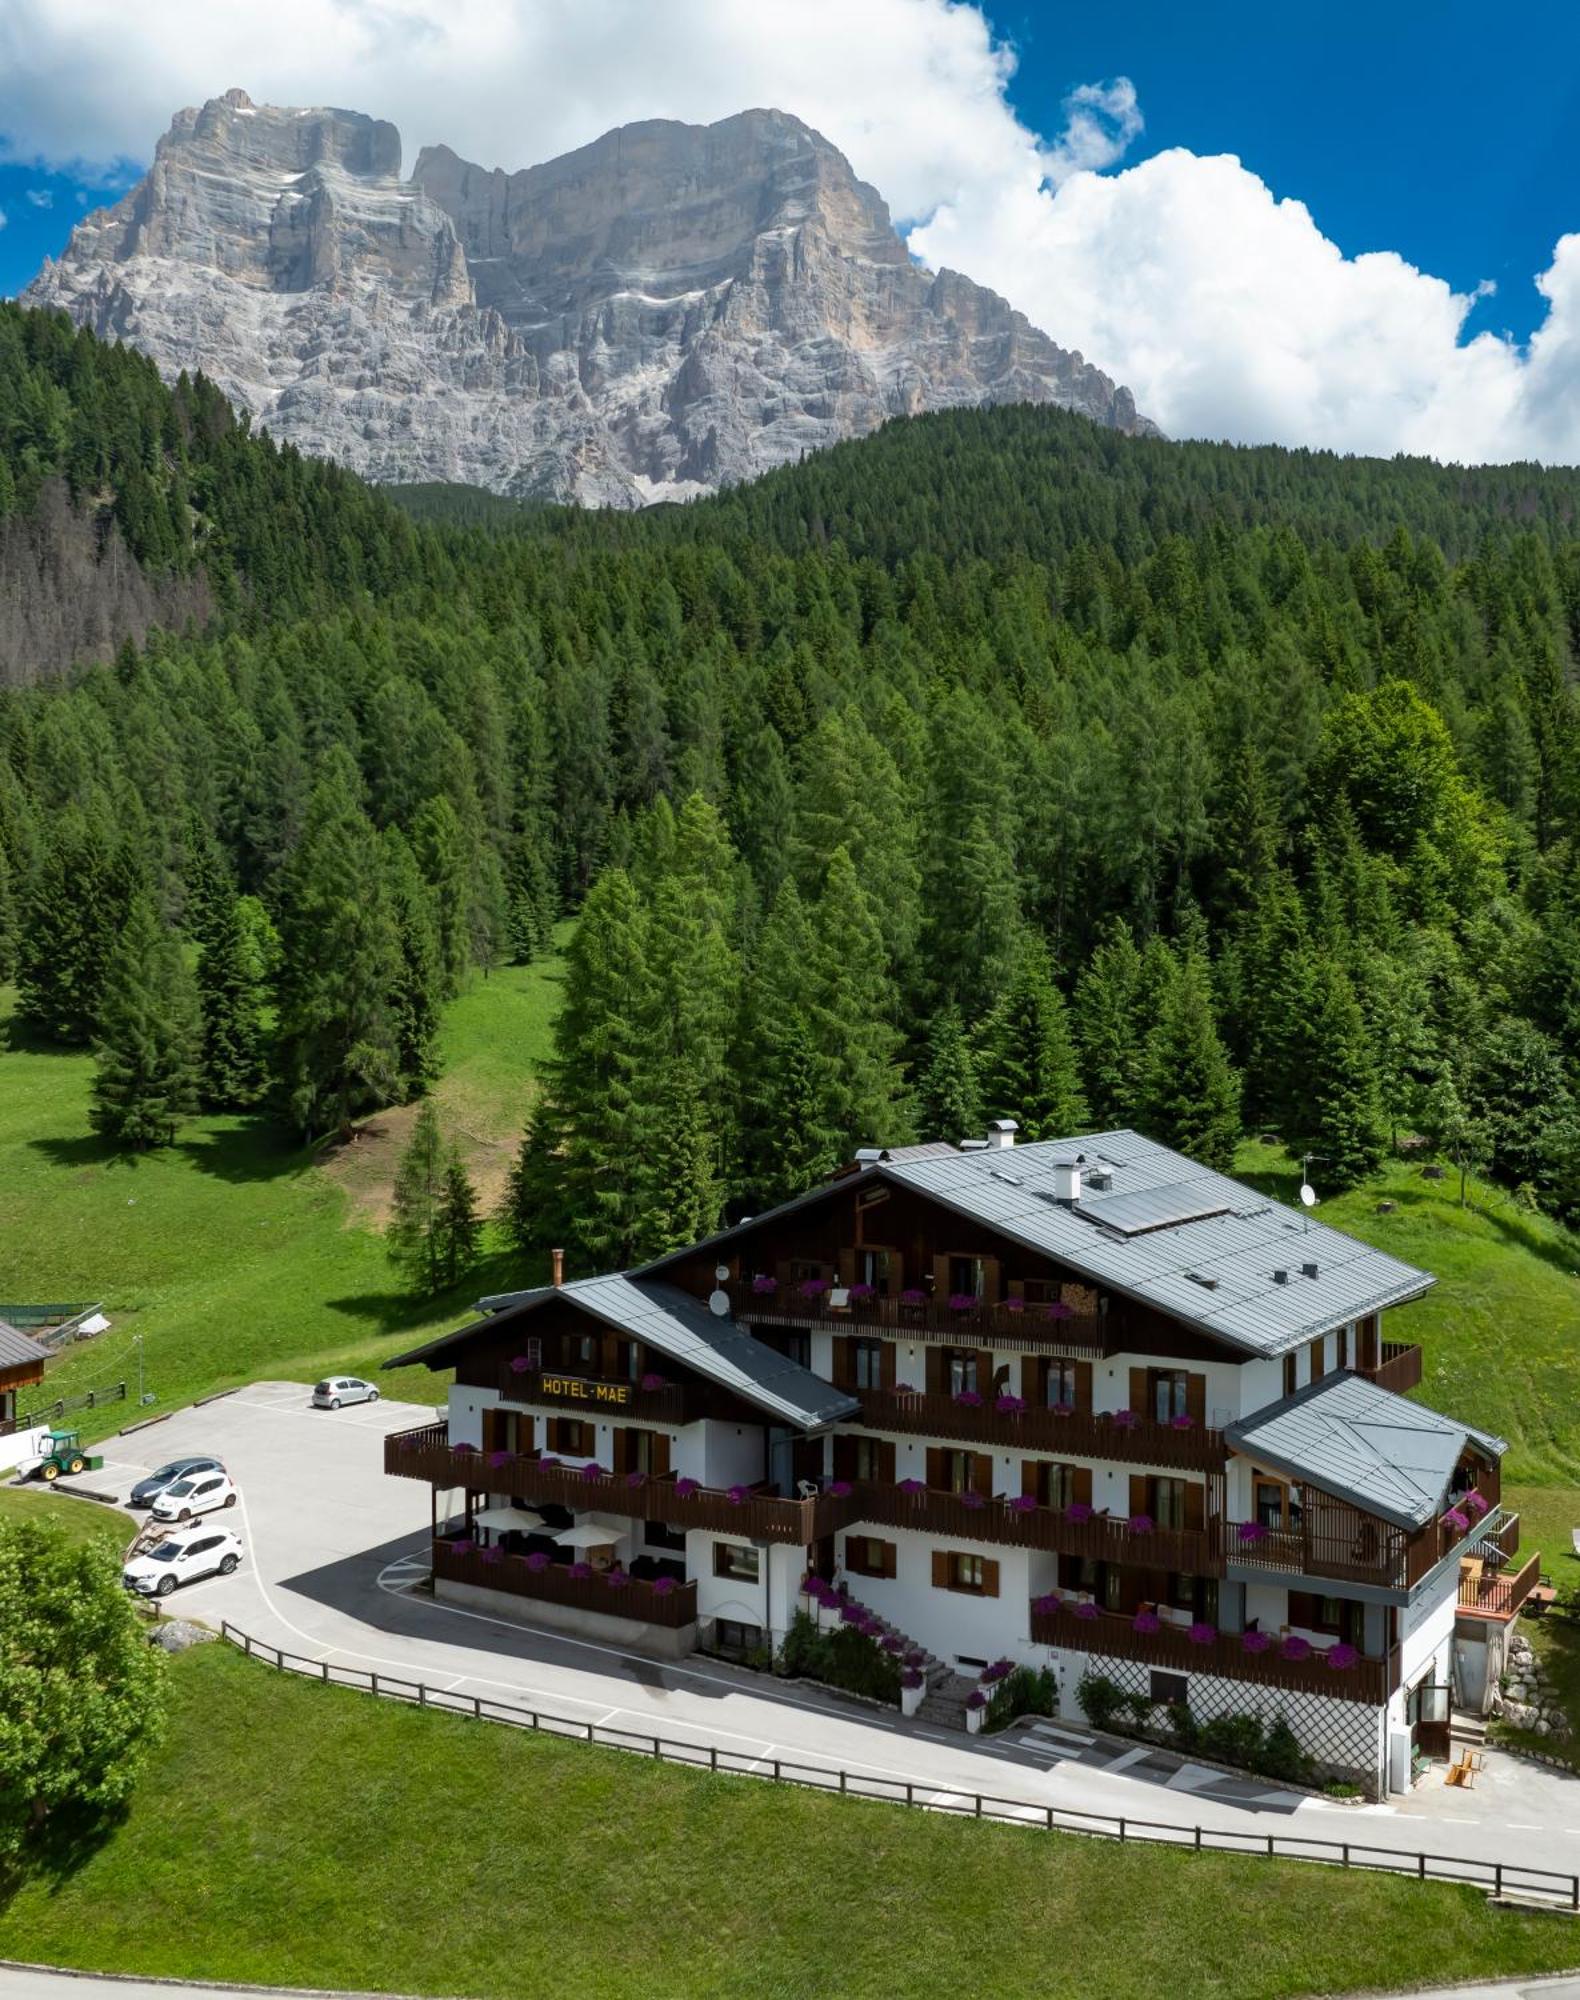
{"points": [[1190, 1092], [949, 1087], [73, 911], [418, 991], [785, 1145], [460, 1223], [1345, 1122], [1110, 1028], [529, 891], [340, 965], [145, 1077], [230, 984], [1029, 1068], [415, 1233], [851, 1011]]}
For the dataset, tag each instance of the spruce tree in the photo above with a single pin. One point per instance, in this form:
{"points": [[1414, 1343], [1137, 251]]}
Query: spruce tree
{"points": [[1190, 1091], [851, 1013], [460, 1223], [417, 994], [145, 1075], [529, 891], [230, 984], [1029, 1067], [949, 1085], [785, 1145], [1110, 1030], [414, 1232], [72, 912], [1345, 1122]]}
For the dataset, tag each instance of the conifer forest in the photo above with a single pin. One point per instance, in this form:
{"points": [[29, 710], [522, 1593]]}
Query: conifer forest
{"points": [[995, 765]]}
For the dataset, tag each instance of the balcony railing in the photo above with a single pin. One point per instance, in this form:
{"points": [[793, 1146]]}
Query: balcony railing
{"points": [[1062, 1531], [1068, 1433], [1224, 1653], [748, 1512], [1338, 1541], [1497, 1596], [633, 1597], [1398, 1368], [1010, 1327], [564, 1389]]}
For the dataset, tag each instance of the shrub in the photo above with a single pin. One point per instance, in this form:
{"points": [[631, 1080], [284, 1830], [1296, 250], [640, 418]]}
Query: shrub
{"points": [[1233, 1739], [1023, 1691], [846, 1658], [1101, 1699], [1140, 1707], [1182, 1726], [1282, 1756]]}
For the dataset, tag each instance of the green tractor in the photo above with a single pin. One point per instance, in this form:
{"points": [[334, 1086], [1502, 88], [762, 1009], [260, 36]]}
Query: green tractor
{"points": [[64, 1453]]}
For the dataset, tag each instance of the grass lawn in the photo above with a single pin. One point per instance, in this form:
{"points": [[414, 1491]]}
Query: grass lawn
{"points": [[398, 1849], [76, 1520], [238, 1254]]}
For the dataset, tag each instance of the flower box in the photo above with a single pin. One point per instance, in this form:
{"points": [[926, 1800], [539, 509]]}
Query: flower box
{"points": [[763, 1285], [519, 1364], [684, 1488], [968, 1399], [840, 1489], [651, 1382], [1086, 1609], [738, 1495], [492, 1554], [913, 1692], [906, 1389], [537, 1562], [1023, 1503], [1147, 1621], [913, 1486], [913, 1295], [1078, 1511], [1182, 1422], [813, 1288], [972, 1500], [548, 1463], [1475, 1504], [463, 1545], [1014, 1305], [664, 1586], [617, 1579], [1296, 1648], [1457, 1521], [500, 1458], [1140, 1524], [593, 1470], [998, 1671], [1010, 1406], [1343, 1656], [1202, 1634], [1256, 1642], [1250, 1531], [635, 1479], [860, 1293], [1125, 1419], [963, 1302], [1057, 1309], [1047, 1604], [580, 1572]]}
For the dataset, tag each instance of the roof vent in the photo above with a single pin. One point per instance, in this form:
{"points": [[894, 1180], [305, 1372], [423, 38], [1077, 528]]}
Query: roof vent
{"points": [[1200, 1278], [1067, 1182], [1309, 1270], [868, 1156], [1009, 1180], [973, 1145], [1099, 1180], [1001, 1132], [1280, 1277]]}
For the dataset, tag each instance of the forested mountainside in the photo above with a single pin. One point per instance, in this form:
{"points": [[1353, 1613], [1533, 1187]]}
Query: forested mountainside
{"points": [[1182, 787], [124, 504]]}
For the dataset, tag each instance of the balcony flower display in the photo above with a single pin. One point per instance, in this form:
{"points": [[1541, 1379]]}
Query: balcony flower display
{"points": [[913, 1295], [841, 1489], [1014, 1305], [537, 1562], [519, 1364], [636, 1479], [1010, 1406], [893, 1643], [977, 1698], [579, 1571], [1256, 1642], [913, 1486], [1251, 1531], [593, 1470], [1062, 1409], [1057, 1309], [1023, 1503], [1474, 1504], [616, 1578], [1146, 1621], [1049, 1602], [1343, 1656], [763, 1285], [813, 1288], [1183, 1422], [911, 1678], [492, 1554], [1141, 1524], [1456, 1520], [906, 1389], [652, 1382], [916, 1657], [1123, 1418], [851, 1613], [1078, 1510], [684, 1488], [1202, 1634], [1086, 1609], [548, 1462], [972, 1500], [861, 1292], [998, 1671], [963, 1302], [968, 1399], [663, 1586], [1296, 1648], [462, 1545], [499, 1458], [462, 1445], [738, 1495]]}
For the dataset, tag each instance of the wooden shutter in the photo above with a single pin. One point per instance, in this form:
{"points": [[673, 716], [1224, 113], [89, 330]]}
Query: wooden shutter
{"points": [[1196, 1398], [660, 1454], [622, 1450], [982, 1474], [936, 1375], [891, 1558], [1289, 1374], [1083, 1386], [1138, 1392], [847, 1267], [991, 1279], [1015, 1289], [1083, 1485], [989, 1578], [1033, 1378], [844, 1371], [937, 1468], [940, 1569], [1138, 1493], [844, 1457], [1316, 1359], [1031, 1478], [493, 1431], [887, 1371], [1195, 1499], [886, 1461], [940, 1279]]}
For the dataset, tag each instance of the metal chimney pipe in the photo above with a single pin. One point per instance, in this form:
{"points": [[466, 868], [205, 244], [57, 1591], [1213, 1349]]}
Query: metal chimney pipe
{"points": [[557, 1259]]}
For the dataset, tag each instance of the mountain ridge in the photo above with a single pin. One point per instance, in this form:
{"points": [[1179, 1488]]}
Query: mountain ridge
{"points": [[665, 311]]}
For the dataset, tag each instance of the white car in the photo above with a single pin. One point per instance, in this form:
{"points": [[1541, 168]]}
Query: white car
{"points": [[200, 1494], [182, 1558], [343, 1389]]}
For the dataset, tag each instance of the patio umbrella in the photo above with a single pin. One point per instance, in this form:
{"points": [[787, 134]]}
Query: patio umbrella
{"points": [[591, 1532]]}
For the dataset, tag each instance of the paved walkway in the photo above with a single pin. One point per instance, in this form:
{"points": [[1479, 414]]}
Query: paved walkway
{"points": [[335, 1546]]}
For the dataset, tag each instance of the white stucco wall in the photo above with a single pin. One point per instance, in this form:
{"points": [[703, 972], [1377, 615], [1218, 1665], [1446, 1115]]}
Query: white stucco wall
{"points": [[952, 1624]]}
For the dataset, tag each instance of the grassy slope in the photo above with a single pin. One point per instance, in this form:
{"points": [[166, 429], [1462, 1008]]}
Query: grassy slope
{"points": [[467, 1860], [235, 1254], [77, 1520]]}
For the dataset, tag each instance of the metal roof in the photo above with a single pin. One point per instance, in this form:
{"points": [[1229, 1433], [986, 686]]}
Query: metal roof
{"points": [[674, 1323], [16, 1350], [1347, 1437], [1215, 1271]]}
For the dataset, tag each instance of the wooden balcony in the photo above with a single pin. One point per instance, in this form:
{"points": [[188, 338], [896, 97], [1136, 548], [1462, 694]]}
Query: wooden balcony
{"points": [[1224, 1654], [749, 1513], [561, 1389], [633, 1598], [1494, 1595], [1006, 1520], [1011, 1328], [1398, 1369], [1053, 1433], [1336, 1540]]}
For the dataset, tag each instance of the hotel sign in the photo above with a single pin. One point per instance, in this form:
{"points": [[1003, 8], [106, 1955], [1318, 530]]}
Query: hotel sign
{"points": [[579, 1389]]}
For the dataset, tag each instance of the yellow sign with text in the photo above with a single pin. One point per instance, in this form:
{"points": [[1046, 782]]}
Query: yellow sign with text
{"points": [[578, 1389]]}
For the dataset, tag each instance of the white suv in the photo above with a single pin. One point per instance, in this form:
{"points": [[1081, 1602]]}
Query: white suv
{"points": [[200, 1494], [182, 1558]]}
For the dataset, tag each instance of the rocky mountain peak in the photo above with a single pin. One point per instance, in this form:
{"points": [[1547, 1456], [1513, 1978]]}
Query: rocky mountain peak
{"points": [[667, 309]]}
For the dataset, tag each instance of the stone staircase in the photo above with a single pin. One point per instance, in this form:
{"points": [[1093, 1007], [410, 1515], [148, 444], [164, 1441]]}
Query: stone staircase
{"points": [[944, 1704], [936, 1675]]}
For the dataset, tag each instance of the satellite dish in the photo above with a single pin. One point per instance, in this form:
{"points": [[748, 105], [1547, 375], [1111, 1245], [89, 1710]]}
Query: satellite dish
{"points": [[722, 1273], [1308, 1195], [719, 1304]]}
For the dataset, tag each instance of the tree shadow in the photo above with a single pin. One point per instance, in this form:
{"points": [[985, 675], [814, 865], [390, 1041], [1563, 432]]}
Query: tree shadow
{"points": [[399, 1311], [87, 1149], [1564, 1255], [53, 1852], [19, 1037], [257, 1150]]}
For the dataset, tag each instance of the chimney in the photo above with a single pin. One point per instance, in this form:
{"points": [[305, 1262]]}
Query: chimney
{"points": [[1280, 1277], [557, 1260], [1067, 1182], [1309, 1270], [1001, 1132]]}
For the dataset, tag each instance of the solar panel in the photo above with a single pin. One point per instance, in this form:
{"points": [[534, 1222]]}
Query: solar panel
{"points": [[1153, 1208]]}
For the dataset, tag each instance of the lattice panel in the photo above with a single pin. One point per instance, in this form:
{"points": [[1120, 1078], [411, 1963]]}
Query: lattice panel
{"points": [[1344, 1739]]}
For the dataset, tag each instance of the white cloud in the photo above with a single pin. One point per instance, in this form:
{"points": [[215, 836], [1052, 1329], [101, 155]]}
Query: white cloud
{"points": [[3, 218], [41, 197], [1221, 305]]}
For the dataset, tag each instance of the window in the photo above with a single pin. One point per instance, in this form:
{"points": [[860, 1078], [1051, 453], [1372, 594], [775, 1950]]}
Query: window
{"points": [[867, 1362], [969, 1574], [865, 1555], [731, 1636], [586, 1346], [642, 1452], [1063, 1385], [659, 1535], [965, 1277], [1169, 1687], [1168, 1393], [1041, 1291], [959, 1467], [876, 1268], [738, 1561], [572, 1437], [802, 1269], [1341, 1347], [867, 1460], [963, 1371], [1277, 1504], [1056, 1485]]}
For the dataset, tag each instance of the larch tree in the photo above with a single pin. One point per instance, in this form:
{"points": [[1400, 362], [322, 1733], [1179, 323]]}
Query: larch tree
{"points": [[1029, 1070], [232, 989], [1190, 1090], [949, 1085], [145, 1078], [460, 1221], [415, 1232], [851, 1013]]}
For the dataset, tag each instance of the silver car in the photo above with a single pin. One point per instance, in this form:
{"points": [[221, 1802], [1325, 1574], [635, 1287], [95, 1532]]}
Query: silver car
{"points": [[340, 1389]]}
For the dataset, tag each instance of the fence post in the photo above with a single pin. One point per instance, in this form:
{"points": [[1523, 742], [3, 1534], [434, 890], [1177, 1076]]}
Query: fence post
{"points": [[375, 1683], [1420, 1867], [1270, 1848], [1346, 1854], [422, 1694], [979, 1805], [247, 1636], [713, 1756], [1497, 1878], [842, 1781], [1198, 1840], [776, 1770], [1121, 1829], [1050, 1818], [477, 1708], [324, 1675]]}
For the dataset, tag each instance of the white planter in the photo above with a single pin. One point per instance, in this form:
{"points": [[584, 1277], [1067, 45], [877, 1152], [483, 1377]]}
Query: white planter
{"points": [[974, 1720], [911, 1699]]}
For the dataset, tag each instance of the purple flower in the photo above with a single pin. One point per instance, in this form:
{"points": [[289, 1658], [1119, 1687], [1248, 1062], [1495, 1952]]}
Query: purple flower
{"points": [[492, 1554], [862, 1292], [893, 1643], [968, 1399], [684, 1488], [972, 1500], [1457, 1521], [1251, 1531], [1124, 1418], [1202, 1634], [499, 1458], [616, 1578], [976, 1699], [1296, 1648], [762, 1284], [841, 1489], [1009, 1406], [593, 1470], [998, 1670], [1182, 1422], [913, 1485], [462, 1445], [906, 1389], [538, 1561], [813, 1288], [635, 1479], [581, 1571], [738, 1495], [1024, 1503], [1140, 1524], [1014, 1305], [462, 1545], [546, 1461], [663, 1586], [851, 1614], [1255, 1642], [916, 1657], [1062, 1409], [1086, 1609], [1049, 1602], [519, 1364], [1078, 1511], [963, 1302], [1474, 1504], [913, 1295], [1146, 1621], [1057, 1310], [651, 1382], [1343, 1656], [911, 1678]]}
